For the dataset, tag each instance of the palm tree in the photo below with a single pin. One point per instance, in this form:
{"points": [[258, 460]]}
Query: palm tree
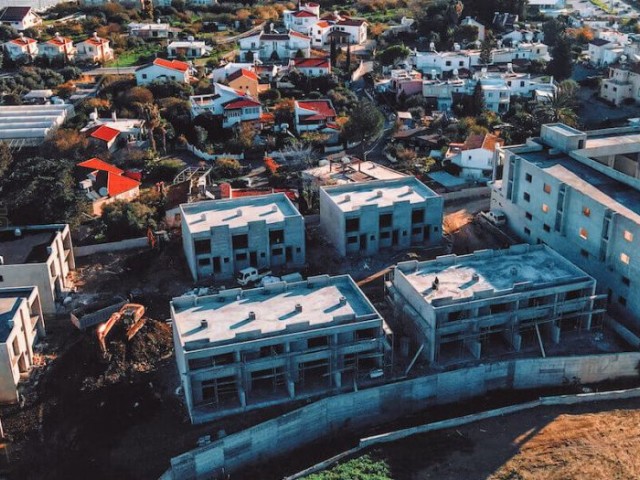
{"points": [[561, 106]]}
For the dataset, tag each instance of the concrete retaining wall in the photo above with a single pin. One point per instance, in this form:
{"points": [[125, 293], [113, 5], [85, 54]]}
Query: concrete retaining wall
{"points": [[128, 244], [211, 157], [466, 194], [388, 402]]}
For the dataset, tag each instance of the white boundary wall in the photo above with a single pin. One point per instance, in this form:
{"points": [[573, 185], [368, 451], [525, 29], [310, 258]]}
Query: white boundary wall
{"points": [[388, 402]]}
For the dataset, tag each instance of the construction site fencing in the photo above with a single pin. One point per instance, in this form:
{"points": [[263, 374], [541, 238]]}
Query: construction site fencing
{"points": [[356, 410]]}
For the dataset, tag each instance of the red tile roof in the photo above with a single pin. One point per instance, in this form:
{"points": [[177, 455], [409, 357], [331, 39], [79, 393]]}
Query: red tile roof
{"points": [[117, 184], [322, 24], [303, 13], [105, 133], [96, 40], [171, 64], [242, 72], [241, 103], [293, 33], [311, 63], [59, 41], [322, 107], [97, 164], [23, 41], [351, 22]]}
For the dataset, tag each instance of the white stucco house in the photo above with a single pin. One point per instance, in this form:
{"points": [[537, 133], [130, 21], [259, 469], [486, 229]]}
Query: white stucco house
{"points": [[163, 70]]}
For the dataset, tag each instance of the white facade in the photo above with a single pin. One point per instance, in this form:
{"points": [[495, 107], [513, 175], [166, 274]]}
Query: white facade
{"points": [[21, 326], [604, 52], [187, 49], [20, 18], [579, 193], [622, 84], [441, 62], [314, 115], [39, 255], [58, 47], [303, 19], [95, 49], [221, 237], [21, 47], [365, 217], [274, 46], [474, 156], [234, 107], [163, 70]]}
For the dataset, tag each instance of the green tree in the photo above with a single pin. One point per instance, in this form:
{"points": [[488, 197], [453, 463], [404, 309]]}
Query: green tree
{"points": [[42, 190], [348, 60], [390, 55], [561, 107], [228, 167], [5, 158], [485, 50], [122, 219], [333, 55], [478, 104], [365, 125], [553, 30], [561, 64]]}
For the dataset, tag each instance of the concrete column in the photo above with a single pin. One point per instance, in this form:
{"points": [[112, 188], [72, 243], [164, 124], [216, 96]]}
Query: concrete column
{"points": [[554, 333], [475, 347], [337, 379], [291, 388], [514, 339], [242, 396]]}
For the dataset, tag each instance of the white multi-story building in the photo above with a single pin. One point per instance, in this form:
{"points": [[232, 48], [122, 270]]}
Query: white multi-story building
{"points": [[303, 19], [221, 237], [162, 70], [38, 255], [491, 302], [95, 49], [604, 52], [622, 84], [365, 217], [274, 46], [579, 193], [58, 47], [245, 349], [153, 31], [312, 67], [21, 326]]}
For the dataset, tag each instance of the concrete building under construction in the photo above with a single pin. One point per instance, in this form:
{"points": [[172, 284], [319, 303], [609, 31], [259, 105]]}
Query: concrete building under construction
{"points": [[492, 302], [245, 349]]}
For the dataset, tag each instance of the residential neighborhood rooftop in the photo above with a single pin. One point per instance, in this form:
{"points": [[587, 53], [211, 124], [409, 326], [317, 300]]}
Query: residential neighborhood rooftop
{"points": [[236, 316], [380, 192], [28, 247], [488, 272], [200, 217]]}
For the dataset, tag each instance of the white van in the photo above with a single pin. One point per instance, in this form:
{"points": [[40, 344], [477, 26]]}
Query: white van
{"points": [[497, 217]]}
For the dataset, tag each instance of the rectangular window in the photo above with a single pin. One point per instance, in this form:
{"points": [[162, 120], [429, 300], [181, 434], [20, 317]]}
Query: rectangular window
{"points": [[528, 177], [385, 235], [622, 301], [626, 281], [526, 196], [583, 233], [240, 241], [416, 231], [202, 246], [546, 228], [276, 236], [628, 236], [527, 231], [386, 220], [417, 216], [624, 258], [545, 207], [528, 216], [353, 224], [546, 188], [352, 239], [584, 253], [586, 211], [276, 251], [241, 257], [204, 261]]}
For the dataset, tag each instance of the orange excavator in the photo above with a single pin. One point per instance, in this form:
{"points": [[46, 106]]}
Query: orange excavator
{"points": [[132, 317]]}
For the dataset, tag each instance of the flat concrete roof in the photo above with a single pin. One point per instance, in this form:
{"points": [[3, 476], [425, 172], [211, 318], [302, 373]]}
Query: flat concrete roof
{"points": [[381, 193], [29, 247], [8, 307], [237, 212], [352, 173], [274, 307], [462, 277]]}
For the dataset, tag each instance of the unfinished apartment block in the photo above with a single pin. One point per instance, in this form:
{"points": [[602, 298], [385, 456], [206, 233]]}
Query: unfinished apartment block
{"points": [[21, 325], [365, 217], [221, 237], [245, 349], [40, 255], [492, 302]]}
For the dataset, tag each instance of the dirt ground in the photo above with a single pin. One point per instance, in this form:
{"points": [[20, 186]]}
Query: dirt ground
{"points": [[598, 441]]}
